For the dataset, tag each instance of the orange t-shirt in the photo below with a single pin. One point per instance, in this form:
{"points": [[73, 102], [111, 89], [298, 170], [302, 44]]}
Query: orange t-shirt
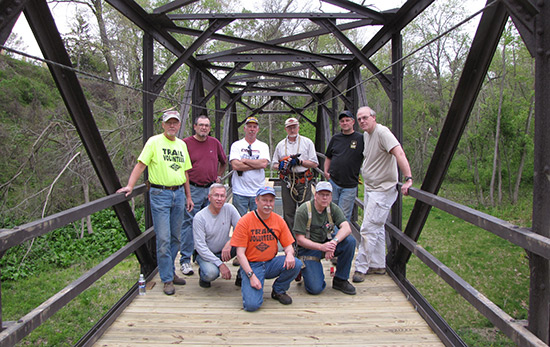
{"points": [[259, 242]]}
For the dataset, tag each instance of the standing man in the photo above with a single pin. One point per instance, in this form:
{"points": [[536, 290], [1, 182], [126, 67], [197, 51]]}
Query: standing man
{"points": [[383, 154], [209, 163], [211, 227], [344, 156], [167, 158], [294, 157], [248, 157], [256, 237], [316, 238]]}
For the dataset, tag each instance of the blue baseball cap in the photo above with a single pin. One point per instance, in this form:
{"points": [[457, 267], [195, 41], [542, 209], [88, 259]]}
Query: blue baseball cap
{"points": [[265, 190]]}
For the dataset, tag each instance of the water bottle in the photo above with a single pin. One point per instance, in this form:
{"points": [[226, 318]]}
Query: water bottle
{"points": [[141, 285]]}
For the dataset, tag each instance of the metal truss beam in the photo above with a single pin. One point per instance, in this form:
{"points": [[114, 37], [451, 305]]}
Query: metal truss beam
{"points": [[184, 57], [477, 63], [354, 7], [288, 15], [292, 38], [49, 40]]}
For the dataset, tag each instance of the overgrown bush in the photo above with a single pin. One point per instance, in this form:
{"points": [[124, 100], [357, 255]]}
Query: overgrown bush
{"points": [[64, 247]]}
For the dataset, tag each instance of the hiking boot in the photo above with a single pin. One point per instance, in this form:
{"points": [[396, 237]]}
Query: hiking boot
{"points": [[187, 269], [358, 277], [169, 288], [178, 280], [238, 279], [204, 284], [283, 298], [376, 271], [343, 285]]}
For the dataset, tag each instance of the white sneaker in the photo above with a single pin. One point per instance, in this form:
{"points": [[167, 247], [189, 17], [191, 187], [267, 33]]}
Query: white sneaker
{"points": [[187, 269]]}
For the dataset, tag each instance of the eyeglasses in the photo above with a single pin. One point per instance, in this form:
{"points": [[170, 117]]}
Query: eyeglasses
{"points": [[250, 150], [204, 125], [219, 196]]}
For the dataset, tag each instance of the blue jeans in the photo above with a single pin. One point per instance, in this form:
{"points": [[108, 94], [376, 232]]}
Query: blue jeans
{"points": [[344, 197], [243, 204], [252, 297], [314, 278], [167, 208], [200, 199], [208, 271]]}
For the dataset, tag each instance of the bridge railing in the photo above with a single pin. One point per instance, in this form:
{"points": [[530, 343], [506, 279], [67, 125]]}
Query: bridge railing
{"points": [[12, 332], [516, 330]]}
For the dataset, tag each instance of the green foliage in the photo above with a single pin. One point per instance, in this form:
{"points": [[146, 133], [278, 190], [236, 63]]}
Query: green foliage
{"points": [[63, 247], [494, 266], [70, 323]]}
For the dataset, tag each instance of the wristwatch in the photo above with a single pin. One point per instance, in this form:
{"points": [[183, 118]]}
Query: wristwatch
{"points": [[335, 239], [407, 178], [249, 274]]}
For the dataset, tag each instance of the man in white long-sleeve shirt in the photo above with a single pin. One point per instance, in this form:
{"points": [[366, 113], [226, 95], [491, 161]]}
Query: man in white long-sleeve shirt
{"points": [[211, 228]]}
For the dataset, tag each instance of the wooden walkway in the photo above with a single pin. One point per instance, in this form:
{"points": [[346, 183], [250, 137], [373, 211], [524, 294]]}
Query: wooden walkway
{"points": [[379, 315]]}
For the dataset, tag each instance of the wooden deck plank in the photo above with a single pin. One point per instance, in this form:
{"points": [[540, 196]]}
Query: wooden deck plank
{"points": [[379, 315]]}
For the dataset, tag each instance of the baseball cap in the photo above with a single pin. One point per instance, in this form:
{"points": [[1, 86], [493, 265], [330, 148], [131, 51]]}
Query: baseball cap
{"points": [[251, 120], [291, 121], [171, 114], [346, 113], [323, 185], [265, 190]]}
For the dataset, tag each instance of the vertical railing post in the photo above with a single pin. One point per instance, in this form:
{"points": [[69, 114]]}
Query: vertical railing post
{"points": [[539, 291]]}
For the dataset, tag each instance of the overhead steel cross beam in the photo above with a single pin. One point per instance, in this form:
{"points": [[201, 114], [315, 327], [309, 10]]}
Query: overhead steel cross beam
{"points": [[222, 83], [299, 56], [315, 97], [263, 15], [251, 45], [347, 102], [135, 13], [386, 83], [174, 5], [367, 12], [249, 74], [409, 11], [275, 42], [160, 81], [49, 40]]}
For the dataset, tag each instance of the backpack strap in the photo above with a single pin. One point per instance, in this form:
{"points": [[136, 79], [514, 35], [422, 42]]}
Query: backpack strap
{"points": [[309, 217]]}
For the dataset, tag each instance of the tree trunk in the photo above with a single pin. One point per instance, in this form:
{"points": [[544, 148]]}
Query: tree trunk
{"points": [[515, 195], [105, 42], [496, 164]]}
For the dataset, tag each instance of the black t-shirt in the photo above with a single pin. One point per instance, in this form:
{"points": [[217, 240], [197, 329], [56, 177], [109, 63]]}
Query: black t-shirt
{"points": [[346, 155]]}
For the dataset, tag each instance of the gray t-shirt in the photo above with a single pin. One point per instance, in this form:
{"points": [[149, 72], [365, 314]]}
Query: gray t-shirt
{"points": [[211, 232], [379, 168]]}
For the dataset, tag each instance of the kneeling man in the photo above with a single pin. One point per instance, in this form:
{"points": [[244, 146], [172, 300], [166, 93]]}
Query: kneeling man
{"points": [[316, 238], [211, 228], [256, 237]]}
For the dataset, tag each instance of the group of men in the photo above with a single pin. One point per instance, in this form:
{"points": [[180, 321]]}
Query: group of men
{"points": [[190, 213]]}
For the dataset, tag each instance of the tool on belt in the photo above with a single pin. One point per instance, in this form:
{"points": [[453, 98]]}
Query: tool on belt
{"points": [[291, 178]]}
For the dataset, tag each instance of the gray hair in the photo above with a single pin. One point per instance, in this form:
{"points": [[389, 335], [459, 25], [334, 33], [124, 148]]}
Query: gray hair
{"points": [[370, 110], [216, 186]]}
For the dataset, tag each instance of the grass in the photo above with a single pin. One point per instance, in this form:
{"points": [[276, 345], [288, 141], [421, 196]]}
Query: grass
{"points": [[70, 323], [495, 267]]}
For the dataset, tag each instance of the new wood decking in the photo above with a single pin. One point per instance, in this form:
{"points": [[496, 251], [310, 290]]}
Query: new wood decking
{"points": [[379, 315]]}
